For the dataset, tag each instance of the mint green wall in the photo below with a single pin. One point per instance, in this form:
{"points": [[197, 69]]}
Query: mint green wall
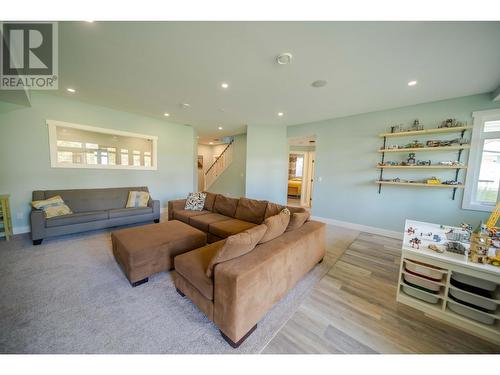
{"points": [[24, 152], [267, 163], [232, 181], [346, 154]]}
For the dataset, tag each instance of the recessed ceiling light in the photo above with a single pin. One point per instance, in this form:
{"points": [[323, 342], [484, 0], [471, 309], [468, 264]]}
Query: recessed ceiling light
{"points": [[224, 85], [220, 128], [284, 58], [280, 114], [69, 89], [412, 83], [166, 114], [185, 105], [210, 143], [319, 83]]}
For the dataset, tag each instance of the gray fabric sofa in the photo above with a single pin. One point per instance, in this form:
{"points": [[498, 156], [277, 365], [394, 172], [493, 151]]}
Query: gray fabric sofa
{"points": [[92, 209]]}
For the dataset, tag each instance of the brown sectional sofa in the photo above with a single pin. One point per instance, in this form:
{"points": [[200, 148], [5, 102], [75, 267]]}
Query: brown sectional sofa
{"points": [[243, 289]]}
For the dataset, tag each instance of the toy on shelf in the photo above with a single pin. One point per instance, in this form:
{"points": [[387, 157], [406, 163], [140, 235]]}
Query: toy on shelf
{"points": [[455, 247], [451, 182], [451, 123], [436, 248], [451, 163], [415, 242], [480, 243], [401, 129], [414, 144], [433, 181], [424, 163]]}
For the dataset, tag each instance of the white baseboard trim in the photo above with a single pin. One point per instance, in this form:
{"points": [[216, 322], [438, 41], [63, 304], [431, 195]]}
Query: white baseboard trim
{"points": [[21, 230], [360, 227]]}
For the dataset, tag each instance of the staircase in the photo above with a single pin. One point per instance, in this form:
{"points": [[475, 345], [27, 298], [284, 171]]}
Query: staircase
{"points": [[219, 166]]}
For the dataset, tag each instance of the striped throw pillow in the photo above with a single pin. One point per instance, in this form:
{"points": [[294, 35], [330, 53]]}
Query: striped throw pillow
{"points": [[52, 207], [137, 199]]}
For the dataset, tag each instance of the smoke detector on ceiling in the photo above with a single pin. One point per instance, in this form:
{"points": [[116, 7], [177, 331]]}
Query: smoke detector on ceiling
{"points": [[284, 58]]}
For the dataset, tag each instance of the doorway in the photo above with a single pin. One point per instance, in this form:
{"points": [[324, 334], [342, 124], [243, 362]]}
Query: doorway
{"points": [[301, 161]]}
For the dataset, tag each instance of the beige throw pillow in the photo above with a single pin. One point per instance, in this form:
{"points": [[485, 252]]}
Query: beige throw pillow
{"points": [[237, 245], [276, 225], [137, 199], [52, 207], [297, 220]]}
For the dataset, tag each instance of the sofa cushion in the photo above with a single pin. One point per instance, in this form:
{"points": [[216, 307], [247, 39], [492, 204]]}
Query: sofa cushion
{"points": [[195, 201], [276, 225], [297, 219], [185, 215], [202, 222], [229, 227], [80, 217], [236, 245], [121, 212], [273, 209], [137, 199], [225, 205], [251, 210], [193, 264], [209, 201]]}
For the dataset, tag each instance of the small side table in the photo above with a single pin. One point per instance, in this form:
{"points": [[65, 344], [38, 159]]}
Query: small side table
{"points": [[5, 218]]}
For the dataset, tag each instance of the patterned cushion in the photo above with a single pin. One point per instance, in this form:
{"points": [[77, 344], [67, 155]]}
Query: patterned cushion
{"points": [[195, 201], [52, 207], [137, 199]]}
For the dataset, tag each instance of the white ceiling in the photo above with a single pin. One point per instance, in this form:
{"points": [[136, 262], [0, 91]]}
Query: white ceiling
{"points": [[152, 67]]}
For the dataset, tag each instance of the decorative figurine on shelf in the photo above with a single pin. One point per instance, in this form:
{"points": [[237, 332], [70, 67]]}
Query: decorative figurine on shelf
{"points": [[415, 242], [437, 238], [411, 159], [480, 243], [451, 182], [410, 231]]}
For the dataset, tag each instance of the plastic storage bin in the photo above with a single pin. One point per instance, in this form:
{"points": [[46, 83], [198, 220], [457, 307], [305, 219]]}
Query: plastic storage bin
{"points": [[425, 270], [470, 313], [420, 295], [475, 282], [475, 300], [431, 286]]}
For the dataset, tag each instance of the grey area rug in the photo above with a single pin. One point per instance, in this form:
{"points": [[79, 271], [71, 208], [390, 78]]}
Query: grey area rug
{"points": [[70, 296]]}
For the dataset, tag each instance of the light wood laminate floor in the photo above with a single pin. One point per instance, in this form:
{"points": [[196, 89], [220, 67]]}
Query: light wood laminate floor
{"points": [[354, 310]]}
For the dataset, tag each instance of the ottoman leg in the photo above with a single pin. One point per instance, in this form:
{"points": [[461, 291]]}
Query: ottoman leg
{"points": [[178, 291], [321, 261], [140, 282], [156, 221]]}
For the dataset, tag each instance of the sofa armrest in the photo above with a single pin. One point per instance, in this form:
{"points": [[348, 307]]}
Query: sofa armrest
{"points": [[37, 220], [178, 204], [245, 288], [155, 205]]}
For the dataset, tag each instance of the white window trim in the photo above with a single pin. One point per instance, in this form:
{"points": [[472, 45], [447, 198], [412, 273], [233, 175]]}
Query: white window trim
{"points": [[52, 124], [475, 153]]}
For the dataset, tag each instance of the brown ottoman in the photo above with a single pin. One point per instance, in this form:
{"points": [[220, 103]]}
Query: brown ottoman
{"points": [[143, 251]]}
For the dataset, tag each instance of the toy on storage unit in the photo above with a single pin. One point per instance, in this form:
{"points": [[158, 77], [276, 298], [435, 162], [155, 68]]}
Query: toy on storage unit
{"points": [[415, 242], [455, 247], [480, 243]]}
